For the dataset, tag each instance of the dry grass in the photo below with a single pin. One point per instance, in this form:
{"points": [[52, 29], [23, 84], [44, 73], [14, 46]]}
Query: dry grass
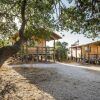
{"points": [[24, 83]]}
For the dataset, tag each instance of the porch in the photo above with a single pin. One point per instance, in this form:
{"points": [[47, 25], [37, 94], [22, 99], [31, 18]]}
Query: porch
{"points": [[43, 54], [38, 52], [88, 53]]}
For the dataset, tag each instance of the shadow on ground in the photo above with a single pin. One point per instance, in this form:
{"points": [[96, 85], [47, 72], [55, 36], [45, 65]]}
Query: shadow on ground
{"points": [[61, 88], [46, 80]]}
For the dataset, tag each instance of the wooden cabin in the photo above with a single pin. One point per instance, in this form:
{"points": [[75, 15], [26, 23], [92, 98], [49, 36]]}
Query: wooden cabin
{"points": [[89, 52], [39, 50]]}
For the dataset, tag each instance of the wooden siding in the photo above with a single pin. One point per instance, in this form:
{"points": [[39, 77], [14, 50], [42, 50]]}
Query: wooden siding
{"points": [[93, 52], [40, 49]]}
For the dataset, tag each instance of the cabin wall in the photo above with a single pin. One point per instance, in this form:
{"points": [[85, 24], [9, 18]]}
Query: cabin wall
{"points": [[74, 52], [83, 52], [35, 48], [92, 51], [87, 51], [99, 51], [78, 53]]}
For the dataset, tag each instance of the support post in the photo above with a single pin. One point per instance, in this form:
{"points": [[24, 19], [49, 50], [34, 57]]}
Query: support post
{"points": [[54, 51], [37, 54], [76, 54], [81, 54], [71, 54], [97, 56], [97, 52], [45, 52], [88, 53]]}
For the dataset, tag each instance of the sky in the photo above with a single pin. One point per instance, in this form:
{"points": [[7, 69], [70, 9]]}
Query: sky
{"points": [[72, 38]]}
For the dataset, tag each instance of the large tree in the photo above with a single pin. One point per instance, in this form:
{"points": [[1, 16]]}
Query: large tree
{"points": [[41, 17], [34, 16]]}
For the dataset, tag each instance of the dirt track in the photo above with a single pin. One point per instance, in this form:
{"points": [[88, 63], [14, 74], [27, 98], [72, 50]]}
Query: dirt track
{"points": [[53, 82]]}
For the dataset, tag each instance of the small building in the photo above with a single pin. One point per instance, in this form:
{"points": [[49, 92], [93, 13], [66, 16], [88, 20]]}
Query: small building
{"points": [[38, 50], [89, 52]]}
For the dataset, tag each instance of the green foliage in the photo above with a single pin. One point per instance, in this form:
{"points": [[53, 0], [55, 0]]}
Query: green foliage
{"points": [[3, 43], [8, 11], [38, 33], [42, 17], [38, 15], [82, 18], [61, 50]]}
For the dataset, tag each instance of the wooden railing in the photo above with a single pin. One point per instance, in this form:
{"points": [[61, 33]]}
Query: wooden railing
{"points": [[38, 54], [41, 50], [97, 56]]}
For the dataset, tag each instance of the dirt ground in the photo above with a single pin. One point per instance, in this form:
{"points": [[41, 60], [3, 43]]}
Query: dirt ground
{"points": [[49, 83]]}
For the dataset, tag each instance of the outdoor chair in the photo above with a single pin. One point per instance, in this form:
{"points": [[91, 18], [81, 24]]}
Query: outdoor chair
{"points": [[92, 60], [84, 60]]}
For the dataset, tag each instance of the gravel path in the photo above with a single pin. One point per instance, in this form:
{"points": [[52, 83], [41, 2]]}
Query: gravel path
{"points": [[85, 73], [54, 81]]}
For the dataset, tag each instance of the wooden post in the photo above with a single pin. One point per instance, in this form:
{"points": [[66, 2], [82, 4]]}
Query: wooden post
{"points": [[76, 54], [54, 51], [97, 55], [97, 52], [41, 58], [46, 54], [81, 54], [88, 53], [37, 55], [71, 53]]}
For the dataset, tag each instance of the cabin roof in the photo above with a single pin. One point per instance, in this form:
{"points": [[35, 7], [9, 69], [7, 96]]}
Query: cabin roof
{"points": [[94, 43], [54, 36]]}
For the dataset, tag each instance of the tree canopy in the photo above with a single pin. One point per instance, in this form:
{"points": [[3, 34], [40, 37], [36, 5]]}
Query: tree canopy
{"points": [[82, 18], [33, 14]]}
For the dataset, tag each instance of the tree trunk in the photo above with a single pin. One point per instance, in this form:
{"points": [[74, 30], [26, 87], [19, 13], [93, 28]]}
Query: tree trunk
{"points": [[8, 51]]}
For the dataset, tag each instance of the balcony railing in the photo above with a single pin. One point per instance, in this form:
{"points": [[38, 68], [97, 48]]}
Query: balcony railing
{"points": [[38, 54]]}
